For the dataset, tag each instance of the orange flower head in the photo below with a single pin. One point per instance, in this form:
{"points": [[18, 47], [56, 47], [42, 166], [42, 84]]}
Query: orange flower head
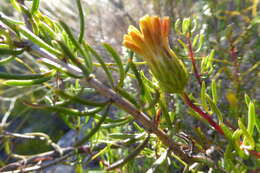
{"points": [[152, 45]]}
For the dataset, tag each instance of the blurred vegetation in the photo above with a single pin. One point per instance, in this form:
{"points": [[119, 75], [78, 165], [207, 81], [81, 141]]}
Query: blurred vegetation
{"points": [[49, 51]]}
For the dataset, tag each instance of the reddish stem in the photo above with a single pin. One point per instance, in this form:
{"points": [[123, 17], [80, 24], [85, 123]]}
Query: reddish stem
{"points": [[202, 114], [255, 171], [191, 55], [210, 121], [255, 153]]}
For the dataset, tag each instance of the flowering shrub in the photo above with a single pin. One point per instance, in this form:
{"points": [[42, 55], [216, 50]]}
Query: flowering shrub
{"points": [[179, 118]]}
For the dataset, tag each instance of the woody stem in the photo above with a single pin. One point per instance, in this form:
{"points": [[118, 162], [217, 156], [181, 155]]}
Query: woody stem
{"points": [[203, 114]]}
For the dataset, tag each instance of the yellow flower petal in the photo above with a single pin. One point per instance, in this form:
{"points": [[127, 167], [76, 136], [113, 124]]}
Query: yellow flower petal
{"points": [[165, 26], [130, 45], [144, 26], [128, 38], [137, 38], [156, 29], [134, 29]]}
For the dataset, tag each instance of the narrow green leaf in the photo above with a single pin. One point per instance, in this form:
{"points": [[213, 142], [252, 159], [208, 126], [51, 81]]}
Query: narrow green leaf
{"points": [[128, 96], [7, 60], [138, 77], [214, 108], [87, 57], [78, 99], [137, 127], [7, 51], [130, 56], [102, 63], [47, 30], [32, 37], [257, 124], [203, 95], [158, 162], [35, 6], [186, 24], [148, 82], [214, 91], [110, 120], [228, 132], [194, 24], [206, 63], [95, 129], [195, 40], [7, 146], [210, 59], [67, 40], [177, 25], [9, 21], [73, 72], [26, 82], [122, 136], [5, 46], [74, 59], [251, 118], [118, 61], [247, 99], [247, 138], [131, 156], [67, 111], [202, 137], [183, 44], [203, 66], [84, 53], [165, 112], [154, 101], [228, 157], [16, 5], [117, 124], [236, 143], [11, 76], [201, 41], [82, 21]]}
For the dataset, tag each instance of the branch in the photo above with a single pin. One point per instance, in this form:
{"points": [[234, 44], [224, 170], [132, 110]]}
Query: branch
{"points": [[38, 161], [141, 117], [41, 166], [35, 136], [122, 103]]}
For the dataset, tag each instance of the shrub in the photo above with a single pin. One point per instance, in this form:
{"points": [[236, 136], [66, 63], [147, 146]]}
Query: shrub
{"points": [[189, 104]]}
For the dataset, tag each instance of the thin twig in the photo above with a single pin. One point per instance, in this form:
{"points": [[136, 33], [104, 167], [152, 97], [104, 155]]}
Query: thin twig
{"points": [[35, 136], [47, 156], [202, 113], [41, 166], [53, 156]]}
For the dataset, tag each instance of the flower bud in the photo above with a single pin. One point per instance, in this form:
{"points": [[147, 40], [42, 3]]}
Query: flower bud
{"points": [[152, 44]]}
